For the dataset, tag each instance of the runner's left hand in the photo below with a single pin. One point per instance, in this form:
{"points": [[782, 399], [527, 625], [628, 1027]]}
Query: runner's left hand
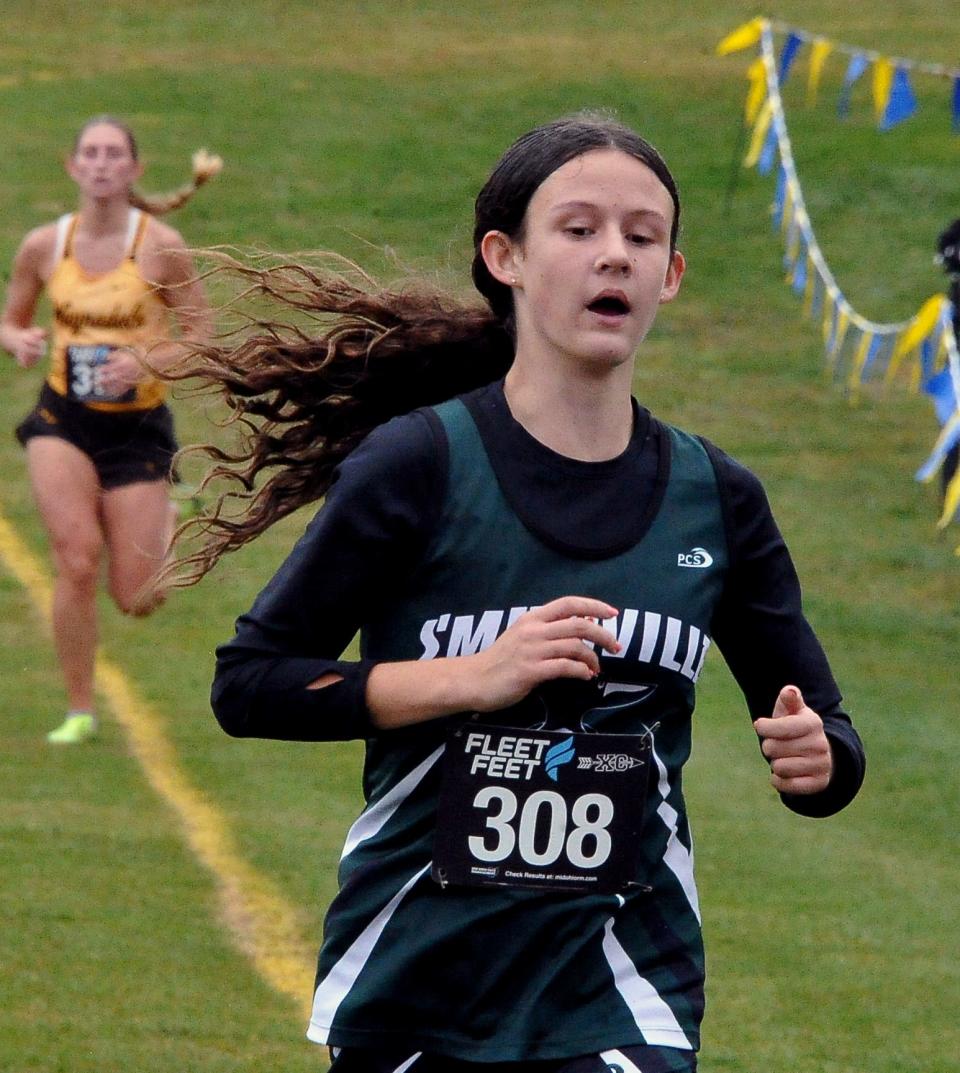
{"points": [[121, 371], [801, 760]]}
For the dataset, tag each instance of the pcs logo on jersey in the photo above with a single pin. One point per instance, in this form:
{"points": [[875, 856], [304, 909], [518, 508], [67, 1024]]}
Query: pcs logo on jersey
{"points": [[697, 558]]}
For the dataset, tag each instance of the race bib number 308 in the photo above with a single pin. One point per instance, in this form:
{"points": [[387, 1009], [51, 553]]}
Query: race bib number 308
{"points": [[544, 809]]}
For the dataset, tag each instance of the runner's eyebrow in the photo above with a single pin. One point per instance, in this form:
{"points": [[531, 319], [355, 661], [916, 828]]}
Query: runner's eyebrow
{"points": [[580, 206]]}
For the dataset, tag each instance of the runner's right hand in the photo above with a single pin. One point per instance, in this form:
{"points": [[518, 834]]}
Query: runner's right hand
{"points": [[553, 641], [29, 346]]}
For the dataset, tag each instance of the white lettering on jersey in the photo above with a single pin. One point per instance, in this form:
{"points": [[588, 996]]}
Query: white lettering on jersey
{"points": [[625, 634], [465, 640], [655, 638]]}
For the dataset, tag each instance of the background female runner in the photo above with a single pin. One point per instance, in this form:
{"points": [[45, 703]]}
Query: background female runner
{"points": [[100, 441], [536, 567]]}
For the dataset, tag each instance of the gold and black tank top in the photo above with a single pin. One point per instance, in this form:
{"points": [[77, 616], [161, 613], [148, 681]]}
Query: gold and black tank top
{"points": [[94, 313]]}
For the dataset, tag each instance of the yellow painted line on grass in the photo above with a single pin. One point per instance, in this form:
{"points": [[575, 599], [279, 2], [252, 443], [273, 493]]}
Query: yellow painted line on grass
{"points": [[262, 923], [23, 565]]}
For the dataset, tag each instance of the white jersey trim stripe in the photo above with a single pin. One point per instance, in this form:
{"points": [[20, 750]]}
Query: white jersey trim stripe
{"points": [[652, 1015], [676, 856], [620, 1059], [63, 229], [133, 222], [404, 1066], [335, 986], [370, 822]]}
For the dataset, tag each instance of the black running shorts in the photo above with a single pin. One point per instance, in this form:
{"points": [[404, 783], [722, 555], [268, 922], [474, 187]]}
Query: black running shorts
{"points": [[125, 447], [629, 1059]]}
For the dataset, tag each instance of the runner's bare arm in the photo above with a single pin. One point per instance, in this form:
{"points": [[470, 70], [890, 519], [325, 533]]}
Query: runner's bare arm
{"points": [[182, 290], [18, 335]]}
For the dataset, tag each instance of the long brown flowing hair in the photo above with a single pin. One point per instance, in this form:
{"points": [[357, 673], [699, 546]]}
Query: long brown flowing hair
{"points": [[303, 395]]}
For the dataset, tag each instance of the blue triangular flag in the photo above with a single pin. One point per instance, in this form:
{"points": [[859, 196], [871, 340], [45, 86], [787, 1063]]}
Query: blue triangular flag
{"points": [[779, 196], [800, 270], [790, 49], [941, 391], [858, 64], [902, 103], [872, 351], [927, 354], [768, 153], [885, 352]]}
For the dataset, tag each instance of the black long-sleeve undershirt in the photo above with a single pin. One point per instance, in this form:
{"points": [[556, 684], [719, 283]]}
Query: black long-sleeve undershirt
{"points": [[365, 541]]}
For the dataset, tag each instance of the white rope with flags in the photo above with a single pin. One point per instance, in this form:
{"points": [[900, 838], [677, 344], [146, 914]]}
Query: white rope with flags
{"points": [[922, 349]]}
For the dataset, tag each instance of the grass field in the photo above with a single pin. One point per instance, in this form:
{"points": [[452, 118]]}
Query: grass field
{"points": [[367, 128]]}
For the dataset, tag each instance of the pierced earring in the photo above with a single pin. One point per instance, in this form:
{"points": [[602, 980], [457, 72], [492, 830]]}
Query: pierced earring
{"points": [[513, 281]]}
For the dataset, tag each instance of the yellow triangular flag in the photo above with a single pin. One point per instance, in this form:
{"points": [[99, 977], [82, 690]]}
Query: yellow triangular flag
{"points": [[918, 330], [759, 134], [742, 37], [818, 57], [786, 217], [757, 74], [828, 308], [882, 84], [843, 322], [859, 360]]}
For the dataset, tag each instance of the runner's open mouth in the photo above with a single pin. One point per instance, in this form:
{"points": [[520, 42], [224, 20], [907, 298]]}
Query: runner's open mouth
{"points": [[609, 304]]}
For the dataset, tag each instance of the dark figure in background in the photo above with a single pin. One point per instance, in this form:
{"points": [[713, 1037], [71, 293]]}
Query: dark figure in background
{"points": [[948, 254]]}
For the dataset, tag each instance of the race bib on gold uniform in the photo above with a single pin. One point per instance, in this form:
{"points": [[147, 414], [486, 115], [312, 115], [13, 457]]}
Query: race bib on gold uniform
{"points": [[84, 367], [547, 809]]}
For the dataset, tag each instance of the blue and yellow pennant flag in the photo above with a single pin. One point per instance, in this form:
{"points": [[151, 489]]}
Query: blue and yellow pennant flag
{"points": [[892, 93], [857, 349]]}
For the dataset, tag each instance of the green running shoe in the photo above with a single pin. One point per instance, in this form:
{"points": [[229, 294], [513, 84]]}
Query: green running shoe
{"points": [[77, 727]]}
